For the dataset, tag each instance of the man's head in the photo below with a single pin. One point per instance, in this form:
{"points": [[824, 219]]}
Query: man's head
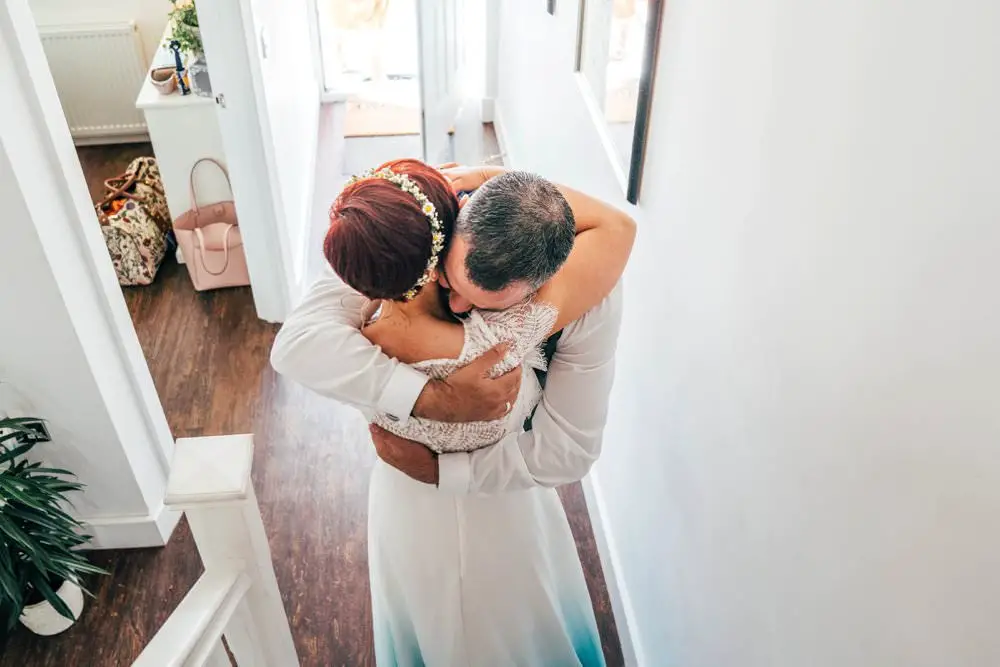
{"points": [[510, 237]]}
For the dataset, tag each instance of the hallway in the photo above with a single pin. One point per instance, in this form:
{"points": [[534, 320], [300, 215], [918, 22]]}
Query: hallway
{"points": [[208, 354]]}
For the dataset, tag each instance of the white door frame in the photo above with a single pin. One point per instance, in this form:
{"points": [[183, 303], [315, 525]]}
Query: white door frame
{"points": [[491, 61], [36, 140], [243, 121]]}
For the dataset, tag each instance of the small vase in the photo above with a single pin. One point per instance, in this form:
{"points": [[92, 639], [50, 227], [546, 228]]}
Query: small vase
{"points": [[43, 619], [164, 79]]}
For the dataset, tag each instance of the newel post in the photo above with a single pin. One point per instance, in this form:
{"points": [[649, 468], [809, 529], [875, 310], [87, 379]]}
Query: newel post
{"points": [[210, 481]]}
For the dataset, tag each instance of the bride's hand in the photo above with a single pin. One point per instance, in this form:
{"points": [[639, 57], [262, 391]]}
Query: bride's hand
{"points": [[467, 179]]}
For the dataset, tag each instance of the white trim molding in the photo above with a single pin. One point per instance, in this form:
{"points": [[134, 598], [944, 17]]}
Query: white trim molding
{"points": [[502, 142], [487, 109], [491, 61], [132, 532], [621, 605]]}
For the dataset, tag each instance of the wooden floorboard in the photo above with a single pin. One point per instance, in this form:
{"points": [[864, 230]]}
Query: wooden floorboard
{"points": [[208, 355]]}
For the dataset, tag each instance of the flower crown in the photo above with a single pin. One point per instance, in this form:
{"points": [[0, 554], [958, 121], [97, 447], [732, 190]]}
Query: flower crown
{"points": [[407, 184]]}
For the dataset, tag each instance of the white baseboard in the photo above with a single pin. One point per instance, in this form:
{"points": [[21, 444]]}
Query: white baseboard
{"points": [[132, 532], [621, 604], [500, 129], [487, 109], [136, 138]]}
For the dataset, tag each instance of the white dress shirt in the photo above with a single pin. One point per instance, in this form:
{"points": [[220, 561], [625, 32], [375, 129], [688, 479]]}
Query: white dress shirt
{"points": [[321, 347]]}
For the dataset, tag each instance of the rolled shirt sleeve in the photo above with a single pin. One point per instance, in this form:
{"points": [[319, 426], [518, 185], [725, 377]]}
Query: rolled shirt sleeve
{"points": [[321, 347]]}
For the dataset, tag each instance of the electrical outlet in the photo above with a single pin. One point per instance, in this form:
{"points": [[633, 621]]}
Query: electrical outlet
{"points": [[38, 432]]}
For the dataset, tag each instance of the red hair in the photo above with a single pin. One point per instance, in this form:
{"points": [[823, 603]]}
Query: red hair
{"points": [[379, 240]]}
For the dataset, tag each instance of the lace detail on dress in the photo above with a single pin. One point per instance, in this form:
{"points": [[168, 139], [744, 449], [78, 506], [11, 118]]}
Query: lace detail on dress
{"points": [[525, 327]]}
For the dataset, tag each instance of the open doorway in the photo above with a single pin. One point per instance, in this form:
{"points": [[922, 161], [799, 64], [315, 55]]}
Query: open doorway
{"points": [[370, 60], [112, 110], [205, 350], [370, 55], [396, 66], [196, 344]]}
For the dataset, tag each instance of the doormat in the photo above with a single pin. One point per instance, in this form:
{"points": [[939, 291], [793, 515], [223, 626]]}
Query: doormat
{"points": [[373, 119]]}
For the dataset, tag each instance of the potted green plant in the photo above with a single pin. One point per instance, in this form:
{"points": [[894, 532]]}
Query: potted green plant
{"points": [[184, 19], [41, 570], [186, 32]]}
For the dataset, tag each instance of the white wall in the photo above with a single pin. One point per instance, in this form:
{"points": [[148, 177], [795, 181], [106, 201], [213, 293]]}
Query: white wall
{"points": [[42, 359], [801, 466], [150, 16], [73, 354]]}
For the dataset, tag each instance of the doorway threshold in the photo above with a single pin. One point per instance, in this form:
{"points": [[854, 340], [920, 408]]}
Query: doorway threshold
{"points": [[335, 95]]}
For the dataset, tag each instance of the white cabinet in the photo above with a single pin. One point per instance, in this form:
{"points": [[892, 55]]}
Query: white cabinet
{"points": [[183, 129]]}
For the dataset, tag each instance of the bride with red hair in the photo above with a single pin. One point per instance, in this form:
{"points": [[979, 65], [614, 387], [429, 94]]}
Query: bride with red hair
{"points": [[467, 579]]}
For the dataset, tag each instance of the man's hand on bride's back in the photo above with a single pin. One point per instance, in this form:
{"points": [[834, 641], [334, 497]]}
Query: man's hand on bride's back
{"points": [[470, 394]]}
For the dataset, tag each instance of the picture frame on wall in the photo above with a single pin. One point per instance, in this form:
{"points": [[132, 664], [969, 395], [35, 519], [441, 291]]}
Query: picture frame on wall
{"points": [[616, 51]]}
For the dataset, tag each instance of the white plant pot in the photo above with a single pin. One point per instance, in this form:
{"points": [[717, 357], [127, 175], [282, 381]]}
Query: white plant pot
{"points": [[43, 619]]}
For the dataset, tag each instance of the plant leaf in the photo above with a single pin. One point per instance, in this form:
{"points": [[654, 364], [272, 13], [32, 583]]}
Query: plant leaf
{"points": [[11, 489], [11, 454], [35, 517], [42, 586], [8, 580], [38, 536], [14, 532]]}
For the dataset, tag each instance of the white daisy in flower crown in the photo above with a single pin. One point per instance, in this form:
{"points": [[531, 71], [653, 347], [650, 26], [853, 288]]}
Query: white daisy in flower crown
{"points": [[409, 186]]}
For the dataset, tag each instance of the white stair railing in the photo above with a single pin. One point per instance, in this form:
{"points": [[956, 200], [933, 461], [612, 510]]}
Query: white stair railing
{"points": [[237, 596]]}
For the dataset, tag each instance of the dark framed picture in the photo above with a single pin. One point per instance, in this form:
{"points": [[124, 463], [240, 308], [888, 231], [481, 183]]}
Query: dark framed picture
{"points": [[618, 41]]}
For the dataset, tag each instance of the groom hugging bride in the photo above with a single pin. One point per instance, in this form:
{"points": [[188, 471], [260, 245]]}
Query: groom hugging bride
{"points": [[478, 337]]}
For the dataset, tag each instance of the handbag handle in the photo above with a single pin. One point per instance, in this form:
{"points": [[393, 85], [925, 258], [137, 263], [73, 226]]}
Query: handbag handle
{"points": [[119, 191], [115, 193], [191, 188], [225, 247]]}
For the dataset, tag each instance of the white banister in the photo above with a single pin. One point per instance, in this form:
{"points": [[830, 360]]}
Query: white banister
{"points": [[197, 624], [238, 595]]}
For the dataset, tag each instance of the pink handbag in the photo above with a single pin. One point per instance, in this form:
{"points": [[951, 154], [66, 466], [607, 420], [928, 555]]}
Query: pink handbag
{"points": [[210, 241]]}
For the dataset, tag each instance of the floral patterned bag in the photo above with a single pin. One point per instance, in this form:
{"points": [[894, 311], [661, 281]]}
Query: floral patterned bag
{"points": [[134, 219]]}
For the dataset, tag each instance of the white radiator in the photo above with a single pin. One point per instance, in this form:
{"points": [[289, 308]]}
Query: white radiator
{"points": [[98, 70]]}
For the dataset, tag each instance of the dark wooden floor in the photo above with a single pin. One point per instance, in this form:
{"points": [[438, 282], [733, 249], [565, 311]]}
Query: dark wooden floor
{"points": [[208, 356]]}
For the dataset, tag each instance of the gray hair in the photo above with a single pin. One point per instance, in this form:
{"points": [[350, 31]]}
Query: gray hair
{"points": [[519, 228]]}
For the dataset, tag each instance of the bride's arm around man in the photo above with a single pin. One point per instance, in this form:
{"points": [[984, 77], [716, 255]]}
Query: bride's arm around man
{"points": [[321, 346]]}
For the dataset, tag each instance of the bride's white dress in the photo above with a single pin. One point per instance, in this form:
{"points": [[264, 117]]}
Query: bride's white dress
{"points": [[478, 580]]}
